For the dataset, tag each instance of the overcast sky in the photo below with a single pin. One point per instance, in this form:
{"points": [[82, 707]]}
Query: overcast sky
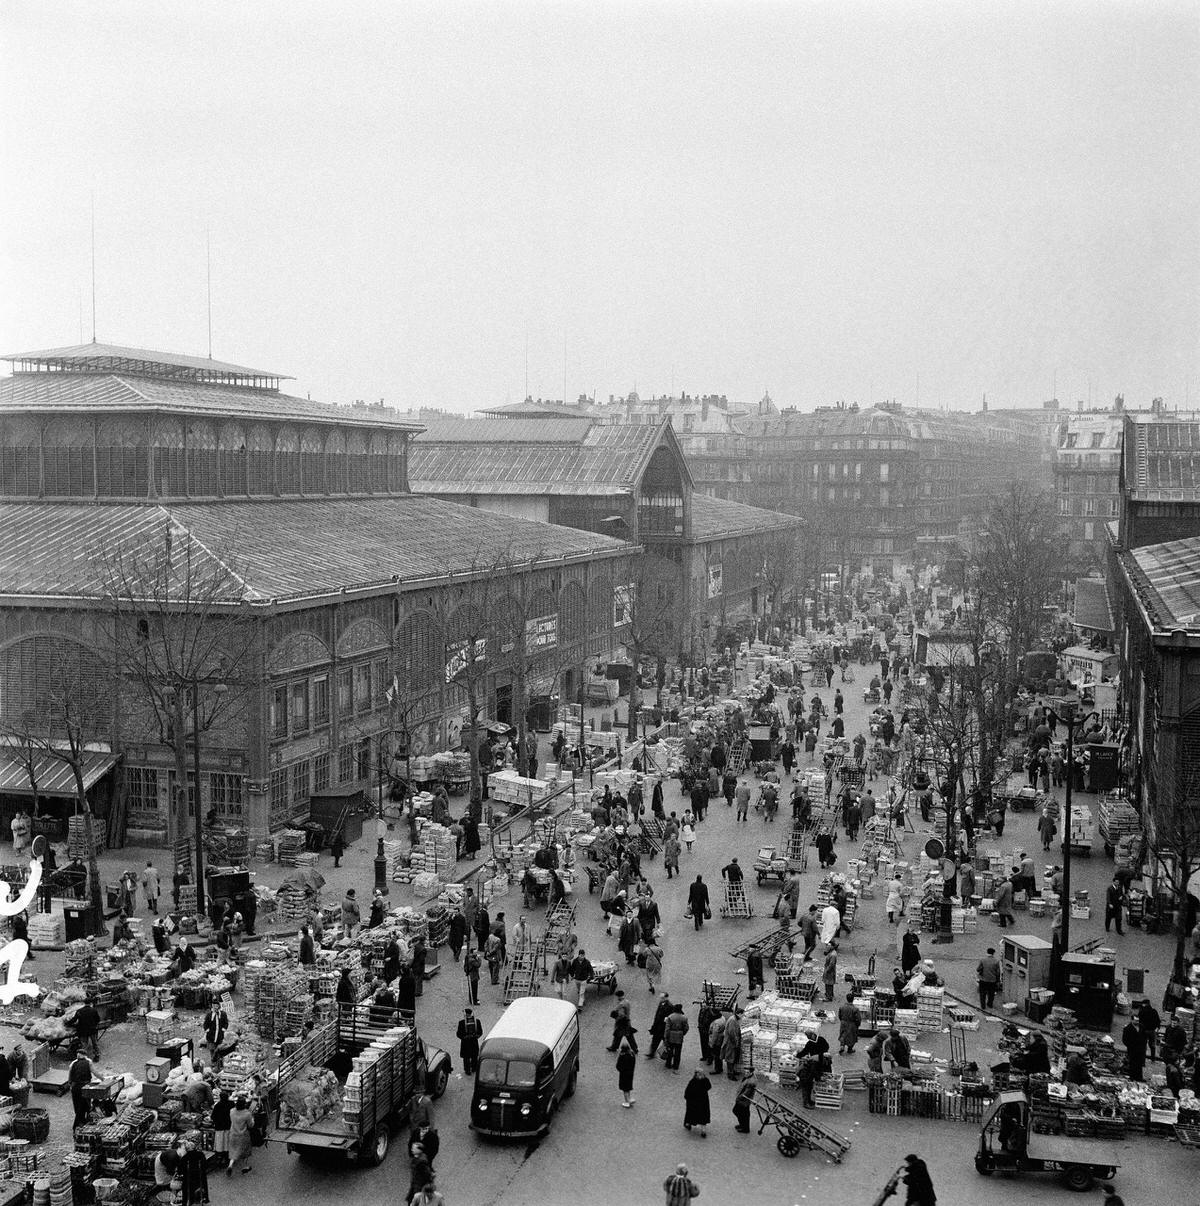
{"points": [[824, 200]]}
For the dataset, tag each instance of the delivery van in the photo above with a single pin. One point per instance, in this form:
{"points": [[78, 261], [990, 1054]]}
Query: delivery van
{"points": [[528, 1064]]}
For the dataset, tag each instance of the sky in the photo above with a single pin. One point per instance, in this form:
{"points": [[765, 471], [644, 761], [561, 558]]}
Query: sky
{"points": [[445, 204]]}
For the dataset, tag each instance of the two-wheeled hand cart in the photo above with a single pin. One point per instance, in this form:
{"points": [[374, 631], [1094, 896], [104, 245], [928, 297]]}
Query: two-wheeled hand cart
{"points": [[736, 902], [797, 1129]]}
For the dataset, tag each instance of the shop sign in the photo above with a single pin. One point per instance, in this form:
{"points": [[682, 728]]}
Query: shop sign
{"points": [[541, 633], [715, 584], [458, 657], [623, 605], [13, 953]]}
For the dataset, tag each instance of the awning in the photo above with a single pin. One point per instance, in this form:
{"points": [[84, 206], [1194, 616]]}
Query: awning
{"points": [[54, 776], [1091, 605]]}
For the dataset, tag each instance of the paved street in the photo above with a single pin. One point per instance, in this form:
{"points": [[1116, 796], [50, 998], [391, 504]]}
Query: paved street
{"points": [[599, 1152]]}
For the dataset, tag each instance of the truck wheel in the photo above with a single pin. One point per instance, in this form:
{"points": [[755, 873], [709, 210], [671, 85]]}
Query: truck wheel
{"points": [[571, 1082], [1079, 1178], [982, 1168], [441, 1078], [375, 1146]]}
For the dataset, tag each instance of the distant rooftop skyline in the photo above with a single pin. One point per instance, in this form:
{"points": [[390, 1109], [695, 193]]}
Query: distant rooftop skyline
{"points": [[460, 207]]}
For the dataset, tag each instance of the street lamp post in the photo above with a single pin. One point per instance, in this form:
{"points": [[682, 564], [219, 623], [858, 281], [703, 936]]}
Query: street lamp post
{"points": [[381, 881], [193, 685], [1065, 902], [1067, 716], [198, 820]]}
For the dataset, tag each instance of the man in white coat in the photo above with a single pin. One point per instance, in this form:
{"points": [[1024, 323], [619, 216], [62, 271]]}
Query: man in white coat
{"points": [[831, 919]]}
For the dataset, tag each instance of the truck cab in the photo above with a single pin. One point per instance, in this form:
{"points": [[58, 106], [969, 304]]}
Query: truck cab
{"points": [[1008, 1144]]}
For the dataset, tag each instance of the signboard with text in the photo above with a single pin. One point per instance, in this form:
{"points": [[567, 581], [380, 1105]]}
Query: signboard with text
{"points": [[716, 584], [458, 657], [541, 633]]}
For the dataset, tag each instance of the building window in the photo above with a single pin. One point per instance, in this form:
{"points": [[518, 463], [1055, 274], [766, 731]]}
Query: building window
{"points": [[1089, 531], [142, 784], [320, 700], [1089, 483], [322, 764], [279, 798], [300, 790], [1064, 506], [279, 712], [1114, 508], [1089, 506], [346, 764], [362, 687], [364, 758], [225, 795], [345, 692], [883, 471], [379, 670], [299, 710]]}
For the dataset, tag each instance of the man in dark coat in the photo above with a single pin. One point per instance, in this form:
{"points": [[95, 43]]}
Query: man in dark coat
{"points": [[78, 1075], [698, 901], [308, 948], [697, 1111], [470, 1031], [1135, 1048], [458, 933], [391, 959], [483, 926], [661, 1014]]}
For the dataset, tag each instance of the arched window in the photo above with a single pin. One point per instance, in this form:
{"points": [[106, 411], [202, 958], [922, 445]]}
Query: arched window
{"points": [[42, 674], [200, 445], [377, 461], [260, 454], [335, 461], [168, 458], [600, 604], [356, 455], [572, 609], [67, 458], [121, 458], [508, 626], [312, 461], [287, 460], [419, 653], [232, 449], [20, 456]]}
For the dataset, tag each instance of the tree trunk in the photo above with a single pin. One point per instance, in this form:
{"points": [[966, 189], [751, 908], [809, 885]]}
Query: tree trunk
{"points": [[634, 694], [177, 817]]}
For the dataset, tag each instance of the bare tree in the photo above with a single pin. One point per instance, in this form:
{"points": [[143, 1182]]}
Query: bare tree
{"points": [[1012, 572], [1173, 816], [486, 629], [63, 727], [182, 638], [780, 573], [648, 608]]}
